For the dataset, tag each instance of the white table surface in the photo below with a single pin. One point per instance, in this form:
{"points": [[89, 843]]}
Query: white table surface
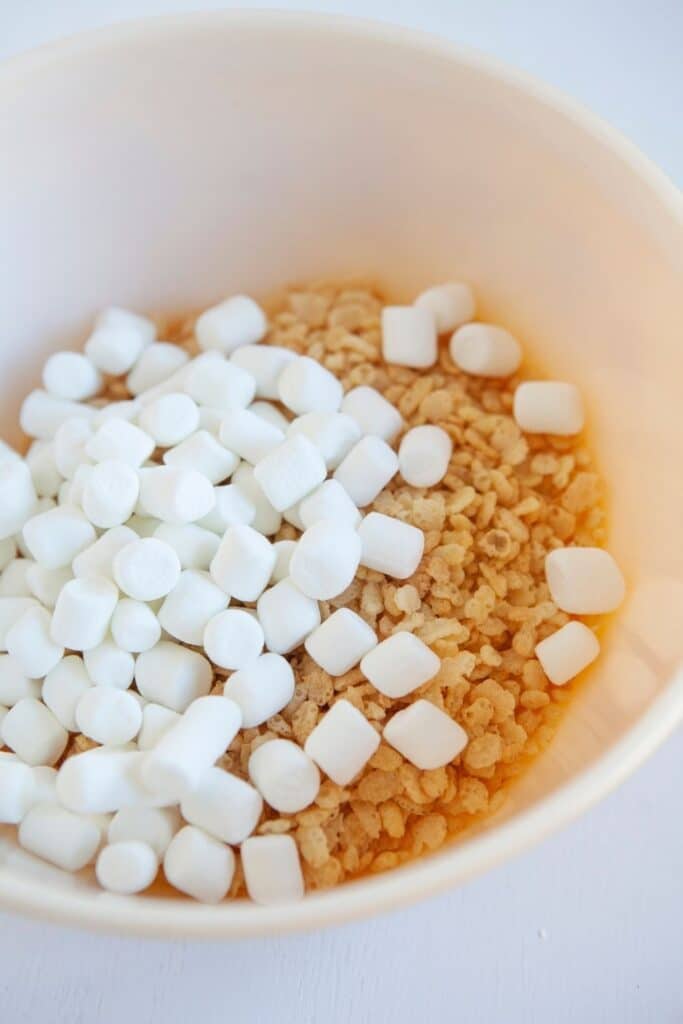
{"points": [[586, 927]]}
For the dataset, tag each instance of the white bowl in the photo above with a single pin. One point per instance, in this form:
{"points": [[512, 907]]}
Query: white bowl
{"points": [[165, 164]]}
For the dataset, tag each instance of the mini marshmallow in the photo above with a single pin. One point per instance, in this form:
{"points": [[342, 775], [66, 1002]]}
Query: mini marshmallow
{"points": [[261, 689], [28, 642], [54, 538], [264, 363], [62, 689], [232, 323], [146, 569], [14, 685], [11, 610], [450, 304], [170, 419], [156, 721], [17, 496], [548, 407], [400, 664], [134, 626], [367, 469], [342, 742], [194, 601], [41, 414], [109, 666], [126, 867], [567, 652], [215, 383], [97, 560], [272, 871], [409, 336], [485, 350], [326, 559], [46, 584], [17, 790], [14, 581], [199, 865], [33, 733], [306, 386], [423, 455], [425, 735], [156, 364], [284, 549], [194, 545], [390, 546], [290, 472], [69, 445], [267, 520], [372, 413], [223, 805], [243, 563], [174, 494], [120, 440], [249, 435], [110, 494], [231, 508], [203, 453], [172, 675], [108, 716], [68, 840], [46, 478], [584, 581], [285, 776], [103, 780], [329, 501], [233, 638], [340, 642], [71, 375], [154, 826], [82, 613], [271, 414], [287, 616], [333, 433], [118, 340]]}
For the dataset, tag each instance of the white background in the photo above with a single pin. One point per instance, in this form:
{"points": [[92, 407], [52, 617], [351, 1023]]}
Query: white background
{"points": [[588, 926]]}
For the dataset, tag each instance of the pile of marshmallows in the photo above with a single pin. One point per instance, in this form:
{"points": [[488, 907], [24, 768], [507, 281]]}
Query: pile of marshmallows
{"points": [[127, 557]]}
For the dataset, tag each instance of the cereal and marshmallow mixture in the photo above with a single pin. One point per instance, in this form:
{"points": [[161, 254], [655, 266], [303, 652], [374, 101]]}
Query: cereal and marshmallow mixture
{"points": [[285, 600]]}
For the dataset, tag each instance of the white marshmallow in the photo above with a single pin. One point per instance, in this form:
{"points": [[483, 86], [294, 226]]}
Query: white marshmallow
{"points": [[175, 495], [285, 776], [194, 545], [55, 537], [127, 410], [199, 865], [223, 805], [41, 414], [243, 563], [14, 581], [399, 664], [367, 469], [109, 666], [17, 790], [567, 652], [154, 826], [284, 549], [271, 414], [232, 508], [329, 501], [71, 375], [146, 569], [11, 610], [108, 716], [68, 840], [28, 642], [118, 340], [170, 419], [14, 685], [110, 494], [70, 443], [423, 455], [120, 440], [103, 780], [249, 435], [265, 363], [390, 546], [46, 584], [267, 520], [485, 350], [202, 452], [261, 689], [342, 742], [33, 733], [372, 413], [287, 616], [272, 871], [233, 638], [156, 364], [584, 581], [82, 613], [40, 460], [126, 867], [306, 386], [333, 433], [172, 675], [340, 642], [450, 304], [62, 689], [194, 601], [134, 626], [156, 721], [213, 382], [97, 560], [548, 407], [232, 323], [326, 559], [17, 496], [290, 472], [409, 336], [425, 735]]}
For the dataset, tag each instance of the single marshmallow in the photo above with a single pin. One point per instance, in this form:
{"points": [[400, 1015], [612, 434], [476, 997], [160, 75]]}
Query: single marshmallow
{"points": [[46, 478], [33, 733], [243, 563], [342, 742], [108, 716], [127, 410], [232, 323], [423, 455], [326, 559], [62, 689], [548, 407], [306, 386], [425, 735], [103, 780], [567, 652], [231, 508], [14, 581], [333, 433], [450, 304], [372, 413], [340, 642], [409, 336], [261, 689], [170, 419], [265, 363], [174, 494], [154, 826], [110, 494], [17, 496], [54, 538], [82, 613], [11, 610], [46, 584], [14, 685], [109, 666], [329, 501], [120, 440], [28, 642], [194, 601], [118, 340], [584, 581], [134, 626], [199, 865], [271, 414], [249, 435], [485, 350], [223, 805], [367, 469], [146, 569], [194, 545], [285, 776], [290, 472], [217, 384], [390, 546], [233, 638], [126, 867], [97, 560], [287, 616], [172, 675], [284, 549], [156, 364], [267, 520], [399, 664], [156, 721], [179, 761], [202, 452], [42, 415], [17, 789], [272, 871], [68, 840], [71, 375]]}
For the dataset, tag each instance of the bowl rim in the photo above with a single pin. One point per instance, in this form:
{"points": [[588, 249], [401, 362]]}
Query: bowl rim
{"points": [[428, 876]]}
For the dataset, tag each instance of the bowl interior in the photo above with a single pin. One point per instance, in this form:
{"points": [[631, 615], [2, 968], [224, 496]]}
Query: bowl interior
{"points": [[165, 165]]}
